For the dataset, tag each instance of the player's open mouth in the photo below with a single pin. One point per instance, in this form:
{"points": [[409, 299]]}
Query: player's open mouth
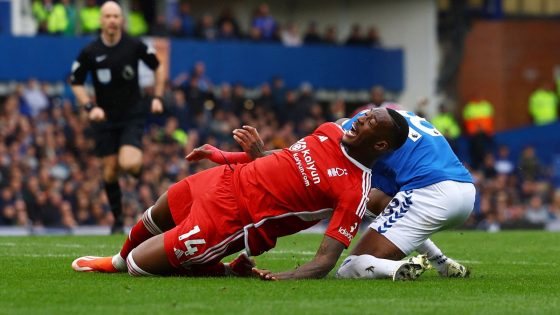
{"points": [[352, 131]]}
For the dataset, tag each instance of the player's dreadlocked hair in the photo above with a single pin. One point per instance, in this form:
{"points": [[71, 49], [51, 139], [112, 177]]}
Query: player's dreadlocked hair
{"points": [[400, 125]]}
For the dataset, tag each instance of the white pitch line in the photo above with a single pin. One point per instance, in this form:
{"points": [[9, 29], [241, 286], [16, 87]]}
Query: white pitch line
{"points": [[41, 255], [291, 252]]}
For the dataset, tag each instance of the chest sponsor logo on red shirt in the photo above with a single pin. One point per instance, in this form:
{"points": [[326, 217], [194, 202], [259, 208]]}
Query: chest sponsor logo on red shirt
{"points": [[305, 163]]}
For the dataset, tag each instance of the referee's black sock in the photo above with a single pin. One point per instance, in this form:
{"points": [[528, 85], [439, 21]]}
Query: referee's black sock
{"points": [[113, 191]]}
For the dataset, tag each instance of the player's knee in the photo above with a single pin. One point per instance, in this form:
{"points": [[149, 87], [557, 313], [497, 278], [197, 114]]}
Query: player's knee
{"points": [[133, 268]]}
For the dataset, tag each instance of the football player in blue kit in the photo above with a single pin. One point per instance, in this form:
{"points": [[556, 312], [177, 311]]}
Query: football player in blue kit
{"points": [[418, 190]]}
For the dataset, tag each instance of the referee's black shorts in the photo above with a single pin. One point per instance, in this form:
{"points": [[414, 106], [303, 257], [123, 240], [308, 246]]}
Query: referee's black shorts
{"points": [[111, 135]]}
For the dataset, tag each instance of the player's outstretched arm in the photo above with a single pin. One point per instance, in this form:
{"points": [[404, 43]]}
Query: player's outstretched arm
{"points": [[324, 261], [216, 155], [250, 141]]}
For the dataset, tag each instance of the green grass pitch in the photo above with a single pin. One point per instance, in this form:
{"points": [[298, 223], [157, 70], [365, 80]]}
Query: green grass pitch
{"points": [[512, 273]]}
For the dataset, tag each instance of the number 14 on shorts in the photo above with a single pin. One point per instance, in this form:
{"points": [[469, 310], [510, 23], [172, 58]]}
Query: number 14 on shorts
{"points": [[190, 244]]}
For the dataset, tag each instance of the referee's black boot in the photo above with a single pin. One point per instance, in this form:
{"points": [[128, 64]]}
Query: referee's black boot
{"points": [[118, 227]]}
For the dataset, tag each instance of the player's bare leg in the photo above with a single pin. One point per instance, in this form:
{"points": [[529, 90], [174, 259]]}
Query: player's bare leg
{"points": [[375, 244], [156, 220], [150, 259]]}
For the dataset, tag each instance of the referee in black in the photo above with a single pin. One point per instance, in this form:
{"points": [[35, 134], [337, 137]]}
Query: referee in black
{"points": [[117, 115]]}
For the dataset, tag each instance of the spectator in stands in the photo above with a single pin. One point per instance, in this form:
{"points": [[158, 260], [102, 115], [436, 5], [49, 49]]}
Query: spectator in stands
{"points": [[255, 34], [478, 117], [204, 83], [90, 16], [71, 17], [504, 165], [488, 166], [8, 213], [311, 35], [377, 99], [290, 35], [264, 22], [226, 31], [265, 99], [137, 25], [184, 24], [356, 38], [445, 122], [238, 99], [536, 212], [227, 17], [35, 97], [330, 37], [543, 105], [40, 11], [206, 29], [372, 37], [529, 166], [58, 19], [180, 109], [160, 27], [555, 204]]}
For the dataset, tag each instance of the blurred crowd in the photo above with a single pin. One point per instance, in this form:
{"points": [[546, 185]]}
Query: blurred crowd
{"points": [[49, 176], [62, 17]]}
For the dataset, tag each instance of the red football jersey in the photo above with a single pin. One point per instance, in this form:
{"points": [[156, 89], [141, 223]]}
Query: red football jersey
{"points": [[295, 188]]}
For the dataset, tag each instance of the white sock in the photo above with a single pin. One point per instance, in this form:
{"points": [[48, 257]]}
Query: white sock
{"points": [[367, 267], [119, 263], [435, 255]]}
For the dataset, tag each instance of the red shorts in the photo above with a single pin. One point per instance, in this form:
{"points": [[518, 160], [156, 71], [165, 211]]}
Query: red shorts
{"points": [[206, 212]]}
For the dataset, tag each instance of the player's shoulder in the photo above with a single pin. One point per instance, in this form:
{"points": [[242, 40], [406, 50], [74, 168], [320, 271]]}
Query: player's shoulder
{"points": [[328, 131], [329, 128]]}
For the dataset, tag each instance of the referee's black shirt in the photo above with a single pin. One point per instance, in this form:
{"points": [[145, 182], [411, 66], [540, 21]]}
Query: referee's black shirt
{"points": [[115, 74]]}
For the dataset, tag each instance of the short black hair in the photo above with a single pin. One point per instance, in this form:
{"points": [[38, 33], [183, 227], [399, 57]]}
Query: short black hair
{"points": [[400, 130]]}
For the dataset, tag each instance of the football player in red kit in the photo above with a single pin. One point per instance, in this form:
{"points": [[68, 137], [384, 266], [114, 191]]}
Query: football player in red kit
{"points": [[248, 205]]}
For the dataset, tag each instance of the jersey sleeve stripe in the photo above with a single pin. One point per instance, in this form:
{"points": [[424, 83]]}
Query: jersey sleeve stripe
{"points": [[366, 185]]}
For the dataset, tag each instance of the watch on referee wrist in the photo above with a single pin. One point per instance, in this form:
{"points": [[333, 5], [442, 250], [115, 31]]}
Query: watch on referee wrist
{"points": [[160, 98], [89, 106]]}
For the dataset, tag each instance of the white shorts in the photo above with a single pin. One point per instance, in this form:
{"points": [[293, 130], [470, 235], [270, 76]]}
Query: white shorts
{"points": [[414, 215]]}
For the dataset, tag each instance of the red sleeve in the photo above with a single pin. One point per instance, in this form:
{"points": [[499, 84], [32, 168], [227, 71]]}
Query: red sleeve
{"points": [[348, 215]]}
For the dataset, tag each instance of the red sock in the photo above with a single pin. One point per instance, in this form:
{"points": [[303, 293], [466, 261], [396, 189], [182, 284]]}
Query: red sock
{"points": [[137, 235]]}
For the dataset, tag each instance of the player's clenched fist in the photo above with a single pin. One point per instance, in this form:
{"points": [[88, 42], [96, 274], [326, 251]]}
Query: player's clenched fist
{"points": [[250, 141]]}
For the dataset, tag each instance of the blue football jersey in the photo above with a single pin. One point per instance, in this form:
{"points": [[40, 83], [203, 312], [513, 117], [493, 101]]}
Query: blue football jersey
{"points": [[425, 159]]}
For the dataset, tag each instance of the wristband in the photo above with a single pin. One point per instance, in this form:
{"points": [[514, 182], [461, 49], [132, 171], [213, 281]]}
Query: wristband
{"points": [[160, 98], [89, 106], [235, 157], [223, 157]]}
